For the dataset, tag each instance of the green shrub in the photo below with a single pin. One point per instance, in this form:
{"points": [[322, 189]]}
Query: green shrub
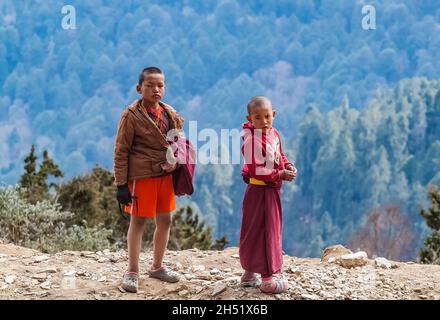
{"points": [[430, 253], [42, 225]]}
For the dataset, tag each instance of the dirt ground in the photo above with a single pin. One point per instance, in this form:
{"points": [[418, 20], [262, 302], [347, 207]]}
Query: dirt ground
{"points": [[29, 274]]}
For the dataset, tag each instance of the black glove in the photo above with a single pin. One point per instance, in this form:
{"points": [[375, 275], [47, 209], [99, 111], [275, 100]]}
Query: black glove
{"points": [[123, 195]]}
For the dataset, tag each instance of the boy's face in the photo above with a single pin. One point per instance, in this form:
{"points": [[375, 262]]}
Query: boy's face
{"points": [[152, 88], [262, 117]]}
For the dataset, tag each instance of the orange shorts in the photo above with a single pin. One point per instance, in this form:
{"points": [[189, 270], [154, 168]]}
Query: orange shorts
{"points": [[153, 195]]}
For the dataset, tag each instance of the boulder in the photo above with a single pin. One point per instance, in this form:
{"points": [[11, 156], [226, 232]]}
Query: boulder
{"points": [[383, 263], [353, 260], [334, 252]]}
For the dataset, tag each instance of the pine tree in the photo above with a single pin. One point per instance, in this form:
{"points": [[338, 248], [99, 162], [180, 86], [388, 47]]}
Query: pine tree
{"points": [[30, 166], [48, 167], [35, 183], [91, 198], [431, 252], [220, 243], [189, 232]]}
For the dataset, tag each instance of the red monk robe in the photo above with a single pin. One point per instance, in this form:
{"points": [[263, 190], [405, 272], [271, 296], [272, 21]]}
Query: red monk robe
{"points": [[261, 228]]}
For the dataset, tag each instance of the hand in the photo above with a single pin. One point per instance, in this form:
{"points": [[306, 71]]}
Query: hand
{"points": [[123, 195], [291, 167], [245, 179], [286, 175], [168, 167]]}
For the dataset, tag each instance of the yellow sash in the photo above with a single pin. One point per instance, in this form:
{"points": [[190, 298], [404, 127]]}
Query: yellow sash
{"points": [[257, 182]]}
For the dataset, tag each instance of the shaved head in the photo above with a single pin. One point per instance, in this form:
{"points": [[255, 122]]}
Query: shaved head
{"points": [[258, 102], [148, 71]]}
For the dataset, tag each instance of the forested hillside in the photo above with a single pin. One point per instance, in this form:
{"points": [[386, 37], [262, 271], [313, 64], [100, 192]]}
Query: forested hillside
{"points": [[65, 89], [351, 162], [358, 108]]}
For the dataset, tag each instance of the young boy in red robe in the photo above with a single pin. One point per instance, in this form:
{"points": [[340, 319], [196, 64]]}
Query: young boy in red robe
{"points": [[265, 168]]}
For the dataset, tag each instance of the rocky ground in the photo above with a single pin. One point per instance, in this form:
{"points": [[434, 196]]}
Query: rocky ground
{"points": [[29, 274]]}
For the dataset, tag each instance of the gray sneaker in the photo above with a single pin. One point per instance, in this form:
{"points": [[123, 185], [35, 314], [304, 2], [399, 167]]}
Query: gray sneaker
{"points": [[164, 274], [130, 282]]}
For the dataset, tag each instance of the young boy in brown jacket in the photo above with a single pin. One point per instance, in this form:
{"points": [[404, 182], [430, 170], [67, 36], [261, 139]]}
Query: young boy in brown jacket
{"points": [[144, 176]]}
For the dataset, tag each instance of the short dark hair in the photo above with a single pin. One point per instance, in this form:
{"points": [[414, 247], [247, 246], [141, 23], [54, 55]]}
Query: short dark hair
{"points": [[257, 102], [149, 70]]}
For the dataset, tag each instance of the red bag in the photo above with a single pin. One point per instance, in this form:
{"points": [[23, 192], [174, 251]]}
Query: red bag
{"points": [[183, 176]]}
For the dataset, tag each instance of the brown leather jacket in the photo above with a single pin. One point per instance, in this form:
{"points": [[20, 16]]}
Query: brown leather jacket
{"points": [[140, 148]]}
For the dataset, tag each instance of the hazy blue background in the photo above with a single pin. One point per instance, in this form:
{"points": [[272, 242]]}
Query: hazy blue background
{"points": [[358, 109]]}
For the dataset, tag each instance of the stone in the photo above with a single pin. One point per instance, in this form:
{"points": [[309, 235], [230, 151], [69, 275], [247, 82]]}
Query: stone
{"points": [[236, 256], [179, 266], [49, 270], [183, 293], [199, 289], [198, 268], [382, 263], [176, 288], [205, 276], [45, 285], [39, 276], [353, 260], [214, 271], [334, 252], [10, 279], [218, 289], [189, 276], [310, 296], [232, 280], [295, 271], [121, 289], [41, 258]]}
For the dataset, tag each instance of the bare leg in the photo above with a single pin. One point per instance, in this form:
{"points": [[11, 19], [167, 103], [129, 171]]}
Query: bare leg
{"points": [[134, 241], [160, 239]]}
